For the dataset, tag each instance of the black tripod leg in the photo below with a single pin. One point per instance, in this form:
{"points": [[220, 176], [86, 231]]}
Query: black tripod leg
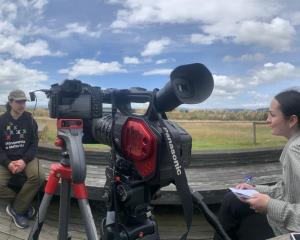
{"points": [[64, 210], [39, 221], [86, 213]]}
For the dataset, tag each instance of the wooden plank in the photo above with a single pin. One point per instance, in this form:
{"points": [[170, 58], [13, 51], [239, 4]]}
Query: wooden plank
{"points": [[210, 173], [211, 182], [170, 222], [200, 159]]}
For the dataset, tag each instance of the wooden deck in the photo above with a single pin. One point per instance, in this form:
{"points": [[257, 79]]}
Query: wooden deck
{"points": [[169, 219], [209, 173], [170, 224]]}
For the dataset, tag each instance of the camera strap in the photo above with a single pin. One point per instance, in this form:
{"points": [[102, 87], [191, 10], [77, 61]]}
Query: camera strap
{"points": [[180, 177]]}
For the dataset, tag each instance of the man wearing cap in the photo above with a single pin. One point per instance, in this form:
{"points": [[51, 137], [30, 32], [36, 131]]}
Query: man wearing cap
{"points": [[18, 147]]}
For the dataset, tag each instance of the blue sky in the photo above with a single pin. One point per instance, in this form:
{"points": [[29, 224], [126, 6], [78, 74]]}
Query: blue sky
{"points": [[251, 47]]}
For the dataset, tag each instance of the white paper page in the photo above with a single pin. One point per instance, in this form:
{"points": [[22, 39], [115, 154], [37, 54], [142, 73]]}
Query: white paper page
{"points": [[244, 193]]}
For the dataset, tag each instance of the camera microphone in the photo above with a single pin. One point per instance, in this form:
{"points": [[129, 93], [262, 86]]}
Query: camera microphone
{"points": [[32, 96], [191, 83]]}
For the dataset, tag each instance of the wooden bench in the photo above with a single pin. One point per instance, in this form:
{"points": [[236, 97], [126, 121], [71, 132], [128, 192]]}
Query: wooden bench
{"points": [[210, 173]]}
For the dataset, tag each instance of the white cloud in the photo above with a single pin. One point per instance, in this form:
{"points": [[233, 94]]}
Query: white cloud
{"points": [[256, 57], [73, 28], [16, 75], [163, 71], [202, 39], [16, 20], [90, 67], [131, 60], [295, 18], [25, 9], [227, 87], [8, 11], [278, 34], [260, 99], [39, 4], [275, 72], [19, 51], [161, 61], [155, 47], [136, 12], [256, 100], [219, 21]]}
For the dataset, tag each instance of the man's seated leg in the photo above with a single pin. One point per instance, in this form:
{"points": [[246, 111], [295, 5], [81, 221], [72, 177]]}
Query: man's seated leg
{"points": [[35, 179], [5, 191]]}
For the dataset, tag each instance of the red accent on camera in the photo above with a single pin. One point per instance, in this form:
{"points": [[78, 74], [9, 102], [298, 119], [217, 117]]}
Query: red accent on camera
{"points": [[69, 123], [139, 144]]}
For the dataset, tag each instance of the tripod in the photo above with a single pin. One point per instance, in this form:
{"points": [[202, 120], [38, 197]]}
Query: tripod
{"points": [[72, 172], [129, 215]]}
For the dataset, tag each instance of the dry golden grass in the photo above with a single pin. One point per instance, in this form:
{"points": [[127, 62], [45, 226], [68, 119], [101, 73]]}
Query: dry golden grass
{"points": [[206, 135]]}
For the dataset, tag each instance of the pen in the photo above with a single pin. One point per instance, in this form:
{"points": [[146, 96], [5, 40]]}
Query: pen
{"points": [[249, 180]]}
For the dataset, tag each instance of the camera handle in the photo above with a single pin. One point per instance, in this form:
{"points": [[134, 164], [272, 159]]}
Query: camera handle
{"points": [[69, 132]]}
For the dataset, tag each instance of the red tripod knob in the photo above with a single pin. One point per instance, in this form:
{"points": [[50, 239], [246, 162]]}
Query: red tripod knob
{"points": [[59, 142]]}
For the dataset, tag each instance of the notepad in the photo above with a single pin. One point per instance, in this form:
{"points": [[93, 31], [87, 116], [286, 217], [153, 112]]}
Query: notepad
{"points": [[243, 193]]}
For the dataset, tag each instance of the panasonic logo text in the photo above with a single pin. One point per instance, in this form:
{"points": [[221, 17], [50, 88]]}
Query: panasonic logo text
{"points": [[173, 153]]}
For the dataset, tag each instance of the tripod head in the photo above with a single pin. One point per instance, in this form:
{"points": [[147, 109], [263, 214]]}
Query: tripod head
{"points": [[69, 138]]}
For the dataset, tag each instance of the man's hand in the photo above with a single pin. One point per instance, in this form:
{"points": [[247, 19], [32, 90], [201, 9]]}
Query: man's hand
{"points": [[16, 166], [20, 165], [12, 167], [258, 202]]}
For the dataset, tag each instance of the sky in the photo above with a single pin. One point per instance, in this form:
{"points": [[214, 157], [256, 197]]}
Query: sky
{"points": [[250, 46]]}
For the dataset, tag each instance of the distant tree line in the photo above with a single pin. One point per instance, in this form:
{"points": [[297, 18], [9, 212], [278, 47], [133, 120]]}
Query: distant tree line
{"points": [[187, 114], [221, 115]]}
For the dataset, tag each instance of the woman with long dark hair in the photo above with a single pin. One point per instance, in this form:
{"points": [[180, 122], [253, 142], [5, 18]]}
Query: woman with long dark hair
{"points": [[275, 210]]}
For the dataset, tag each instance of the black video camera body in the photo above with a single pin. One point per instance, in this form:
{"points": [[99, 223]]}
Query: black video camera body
{"points": [[142, 147], [75, 99], [148, 151], [138, 139]]}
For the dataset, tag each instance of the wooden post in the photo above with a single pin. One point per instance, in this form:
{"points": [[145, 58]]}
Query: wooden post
{"points": [[254, 132]]}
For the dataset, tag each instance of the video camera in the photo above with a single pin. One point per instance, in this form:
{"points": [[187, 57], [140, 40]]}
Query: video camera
{"points": [[148, 151], [136, 138]]}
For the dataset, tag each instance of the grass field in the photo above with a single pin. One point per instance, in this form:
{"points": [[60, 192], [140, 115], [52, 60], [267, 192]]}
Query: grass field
{"points": [[230, 135], [207, 135]]}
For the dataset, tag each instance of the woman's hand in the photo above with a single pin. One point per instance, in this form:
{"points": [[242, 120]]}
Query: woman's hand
{"points": [[258, 202], [244, 186]]}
